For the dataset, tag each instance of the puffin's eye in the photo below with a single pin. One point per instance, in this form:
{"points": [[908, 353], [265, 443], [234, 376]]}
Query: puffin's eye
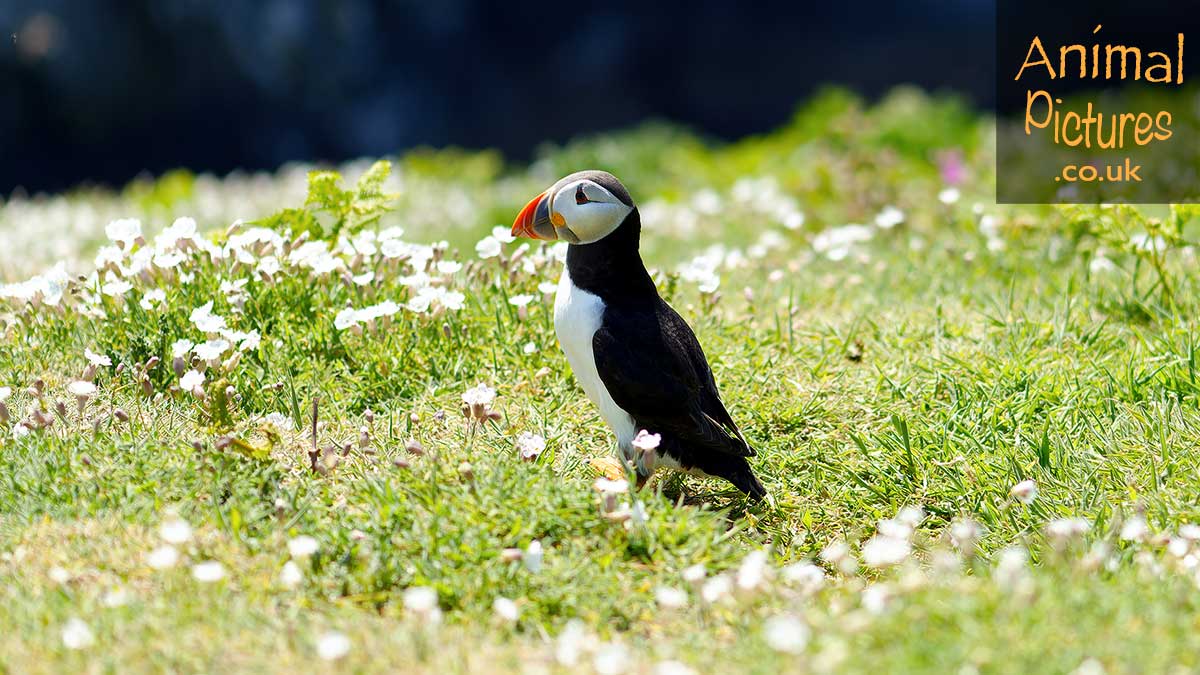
{"points": [[580, 196]]}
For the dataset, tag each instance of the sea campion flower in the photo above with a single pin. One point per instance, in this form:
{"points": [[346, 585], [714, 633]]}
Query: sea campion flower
{"points": [[192, 382], [290, 575], [1062, 531], [533, 557], [883, 550], [786, 633], [1135, 529], [162, 557], [889, 217], [1025, 492], [669, 597], [488, 247], [208, 571], [716, 588], [477, 403], [175, 530], [965, 534], [332, 646], [302, 546], [806, 576], [77, 635], [752, 572], [506, 609], [530, 446]]}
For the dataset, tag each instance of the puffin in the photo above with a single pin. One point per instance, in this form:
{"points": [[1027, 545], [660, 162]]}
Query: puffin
{"points": [[636, 359]]}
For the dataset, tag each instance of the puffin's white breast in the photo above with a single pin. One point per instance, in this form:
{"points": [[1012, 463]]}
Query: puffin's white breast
{"points": [[577, 316]]}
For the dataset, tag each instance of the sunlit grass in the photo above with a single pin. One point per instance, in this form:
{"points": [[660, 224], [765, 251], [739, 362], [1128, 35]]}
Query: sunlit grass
{"points": [[977, 425]]}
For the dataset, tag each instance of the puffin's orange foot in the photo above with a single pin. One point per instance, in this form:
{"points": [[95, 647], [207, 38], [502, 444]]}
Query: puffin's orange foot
{"points": [[609, 467]]}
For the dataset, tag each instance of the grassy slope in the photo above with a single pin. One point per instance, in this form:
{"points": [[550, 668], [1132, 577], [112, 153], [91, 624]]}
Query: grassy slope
{"points": [[937, 373]]}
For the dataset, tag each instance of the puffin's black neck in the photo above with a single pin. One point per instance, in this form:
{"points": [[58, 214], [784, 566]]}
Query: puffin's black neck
{"points": [[612, 268]]}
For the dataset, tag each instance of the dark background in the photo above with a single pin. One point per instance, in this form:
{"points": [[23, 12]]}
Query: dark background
{"points": [[96, 92]]}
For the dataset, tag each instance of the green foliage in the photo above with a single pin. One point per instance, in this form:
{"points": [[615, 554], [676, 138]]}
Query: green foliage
{"points": [[331, 211]]}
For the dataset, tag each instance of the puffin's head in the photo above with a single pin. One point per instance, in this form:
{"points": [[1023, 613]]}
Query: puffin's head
{"points": [[580, 209]]}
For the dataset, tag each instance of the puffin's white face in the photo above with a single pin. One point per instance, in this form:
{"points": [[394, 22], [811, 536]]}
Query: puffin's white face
{"points": [[575, 210]]}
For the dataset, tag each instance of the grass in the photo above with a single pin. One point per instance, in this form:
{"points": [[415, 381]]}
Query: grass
{"points": [[937, 363]]}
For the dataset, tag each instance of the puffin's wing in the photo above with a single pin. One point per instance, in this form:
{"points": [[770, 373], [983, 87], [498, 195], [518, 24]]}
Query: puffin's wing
{"points": [[654, 378]]}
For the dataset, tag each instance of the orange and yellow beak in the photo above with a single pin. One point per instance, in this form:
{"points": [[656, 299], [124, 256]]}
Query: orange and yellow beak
{"points": [[535, 220]]}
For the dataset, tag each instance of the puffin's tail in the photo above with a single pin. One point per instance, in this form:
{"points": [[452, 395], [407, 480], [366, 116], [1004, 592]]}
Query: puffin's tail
{"points": [[744, 479]]}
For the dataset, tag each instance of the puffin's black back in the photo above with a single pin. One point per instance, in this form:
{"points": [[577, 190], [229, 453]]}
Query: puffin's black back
{"points": [[650, 360]]}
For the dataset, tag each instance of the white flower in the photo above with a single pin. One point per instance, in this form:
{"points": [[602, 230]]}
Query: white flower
{"points": [[503, 234], [1089, 666], [752, 571], [608, 486], [889, 217], [948, 196], [506, 609], [529, 348], [182, 228], [807, 576], [488, 247], [290, 576], [116, 597], [175, 531], [571, 641], [1010, 565], [611, 659], [1134, 529], [882, 551], [964, 533], [211, 350], [162, 557], [448, 267], [180, 348], [191, 380], [1025, 492], [5, 392], [520, 300], [481, 395], [836, 243], [533, 557], [168, 261], [716, 588], [1066, 529], [646, 441], [786, 633], [205, 320], [96, 359], [152, 298], [670, 598], [125, 231], [81, 389], [345, 319], [332, 646], [421, 600], [208, 571], [77, 635], [302, 546], [876, 597], [694, 574], [530, 445], [835, 552]]}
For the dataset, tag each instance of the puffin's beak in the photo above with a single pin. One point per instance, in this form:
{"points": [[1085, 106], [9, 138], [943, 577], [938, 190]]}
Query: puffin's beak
{"points": [[534, 220]]}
